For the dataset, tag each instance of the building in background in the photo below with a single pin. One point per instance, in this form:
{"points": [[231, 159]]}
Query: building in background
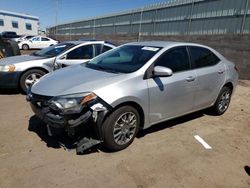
{"points": [[174, 17], [22, 24]]}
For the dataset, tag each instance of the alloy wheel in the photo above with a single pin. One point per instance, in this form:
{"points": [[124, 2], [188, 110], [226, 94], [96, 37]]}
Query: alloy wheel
{"points": [[31, 79], [125, 128]]}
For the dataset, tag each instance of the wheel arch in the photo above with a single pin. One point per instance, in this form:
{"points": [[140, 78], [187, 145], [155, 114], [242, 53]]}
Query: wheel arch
{"points": [[137, 107], [23, 72], [229, 85], [25, 44]]}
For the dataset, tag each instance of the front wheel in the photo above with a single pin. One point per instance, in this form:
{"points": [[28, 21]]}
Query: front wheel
{"points": [[120, 128], [223, 101], [25, 46], [29, 78]]}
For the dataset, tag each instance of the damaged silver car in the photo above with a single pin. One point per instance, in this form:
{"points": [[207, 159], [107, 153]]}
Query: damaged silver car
{"points": [[133, 87]]}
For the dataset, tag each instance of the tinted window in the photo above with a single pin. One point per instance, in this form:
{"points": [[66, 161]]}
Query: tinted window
{"points": [[1, 22], [83, 52], [14, 24], [202, 57], [45, 39], [176, 59], [36, 39], [28, 26], [98, 49], [106, 48], [53, 50]]}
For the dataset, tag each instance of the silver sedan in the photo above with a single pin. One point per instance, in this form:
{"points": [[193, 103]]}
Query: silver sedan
{"points": [[134, 87]]}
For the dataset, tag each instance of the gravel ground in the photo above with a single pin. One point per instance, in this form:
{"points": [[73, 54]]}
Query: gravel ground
{"points": [[165, 155]]}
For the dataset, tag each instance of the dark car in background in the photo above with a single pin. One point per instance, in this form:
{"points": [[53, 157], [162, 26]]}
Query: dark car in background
{"points": [[8, 48], [10, 35]]}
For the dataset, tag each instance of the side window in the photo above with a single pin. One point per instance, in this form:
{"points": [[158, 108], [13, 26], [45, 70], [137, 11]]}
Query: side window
{"points": [[106, 48], [176, 59], [202, 57], [14, 24], [28, 26], [36, 39], [1, 22], [83, 52], [98, 48], [45, 39]]}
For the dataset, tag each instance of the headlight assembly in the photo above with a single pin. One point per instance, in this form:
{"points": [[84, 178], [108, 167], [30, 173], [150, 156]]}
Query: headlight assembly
{"points": [[7, 68], [69, 104]]}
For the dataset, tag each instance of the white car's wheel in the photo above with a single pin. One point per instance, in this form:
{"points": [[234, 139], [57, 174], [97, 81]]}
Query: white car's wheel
{"points": [[25, 47]]}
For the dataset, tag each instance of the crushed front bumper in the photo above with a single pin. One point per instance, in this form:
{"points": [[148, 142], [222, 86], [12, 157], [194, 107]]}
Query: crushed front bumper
{"points": [[92, 115]]}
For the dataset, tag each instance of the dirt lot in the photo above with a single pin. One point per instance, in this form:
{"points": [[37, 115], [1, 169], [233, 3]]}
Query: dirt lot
{"points": [[166, 155]]}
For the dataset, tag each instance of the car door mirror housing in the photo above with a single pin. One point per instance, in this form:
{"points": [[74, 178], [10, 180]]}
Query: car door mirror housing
{"points": [[63, 57], [160, 71]]}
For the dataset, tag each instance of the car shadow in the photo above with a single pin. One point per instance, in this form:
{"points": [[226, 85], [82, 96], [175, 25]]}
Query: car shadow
{"points": [[247, 170], [171, 123], [62, 140], [10, 91]]}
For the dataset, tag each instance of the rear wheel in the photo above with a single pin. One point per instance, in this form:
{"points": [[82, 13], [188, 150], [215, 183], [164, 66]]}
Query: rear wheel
{"points": [[29, 78], [25, 46], [120, 128], [223, 101]]}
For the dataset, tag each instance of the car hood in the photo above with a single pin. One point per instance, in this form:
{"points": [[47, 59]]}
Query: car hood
{"points": [[74, 79], [19, 59]]}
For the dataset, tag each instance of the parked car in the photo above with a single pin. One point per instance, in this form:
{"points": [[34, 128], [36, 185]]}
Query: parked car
{"points": [[37, 42], [22, 71], [8, 48], [11, 35], [133, 87], [82, 52]]}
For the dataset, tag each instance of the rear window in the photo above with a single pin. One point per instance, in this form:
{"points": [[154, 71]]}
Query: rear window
{"points": [[202, 57]]}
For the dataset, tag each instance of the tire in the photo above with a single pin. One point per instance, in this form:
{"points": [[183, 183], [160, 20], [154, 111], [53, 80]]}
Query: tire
{"points": [[29, 78], [114, 140], [223, 101], [25, 47]]}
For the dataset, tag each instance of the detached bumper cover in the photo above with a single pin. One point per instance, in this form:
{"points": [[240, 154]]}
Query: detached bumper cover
{"points": [[9, 79]]}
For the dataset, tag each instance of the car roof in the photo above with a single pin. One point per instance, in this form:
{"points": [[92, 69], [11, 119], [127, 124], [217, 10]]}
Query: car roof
{"points": [[76, 42], [164, 44]]}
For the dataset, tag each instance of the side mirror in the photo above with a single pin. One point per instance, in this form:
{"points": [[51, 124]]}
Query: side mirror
{"points": [[160, 71], [30, 40], [63, 57]]}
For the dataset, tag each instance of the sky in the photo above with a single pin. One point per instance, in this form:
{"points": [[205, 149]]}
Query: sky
{"points": [[70, 10]]}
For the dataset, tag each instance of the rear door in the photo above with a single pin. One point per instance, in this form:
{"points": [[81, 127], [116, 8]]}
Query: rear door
{"points": [[45, 42], [174, 95], [210, 72]]}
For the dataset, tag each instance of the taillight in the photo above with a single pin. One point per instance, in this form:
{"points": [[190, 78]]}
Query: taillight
{"points": [[236, 68]]}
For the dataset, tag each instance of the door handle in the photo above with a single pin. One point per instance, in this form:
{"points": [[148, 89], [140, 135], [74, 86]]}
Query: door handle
{"points": [[190, 78], [221, 71]]}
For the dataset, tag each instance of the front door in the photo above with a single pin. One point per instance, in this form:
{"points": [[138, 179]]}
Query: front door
{"points": [[78, 55], [174, 95], [210, 75]]}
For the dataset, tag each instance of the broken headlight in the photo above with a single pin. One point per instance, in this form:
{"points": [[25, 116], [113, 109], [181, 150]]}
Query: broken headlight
{"points": [[69, 104]]}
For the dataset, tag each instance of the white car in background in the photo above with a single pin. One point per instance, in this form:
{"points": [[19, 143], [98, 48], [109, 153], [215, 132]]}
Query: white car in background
{"points": [[37, 42]]}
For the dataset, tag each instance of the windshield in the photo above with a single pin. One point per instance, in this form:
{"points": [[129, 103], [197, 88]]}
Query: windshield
{"points": [[54, 50], [124, 59]]}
